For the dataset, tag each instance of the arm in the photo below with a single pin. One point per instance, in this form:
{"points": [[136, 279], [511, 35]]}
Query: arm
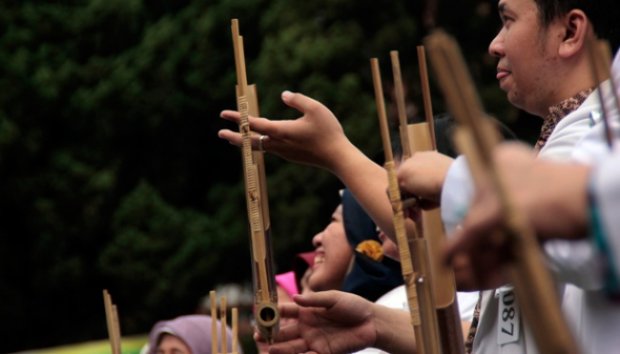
{"points": [[551, 196], [317, 139], [424, 174]]}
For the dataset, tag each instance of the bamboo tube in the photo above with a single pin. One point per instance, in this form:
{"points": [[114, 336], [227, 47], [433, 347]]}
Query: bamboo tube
{"points": [[265, 297], [448, 313], [111, 314], [426, 95], [235, 330], [223, 311], [416, 271], [214, 336]]}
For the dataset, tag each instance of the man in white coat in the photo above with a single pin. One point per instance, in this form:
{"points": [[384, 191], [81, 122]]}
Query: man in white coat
{"points": [[566, 121], [568, 201]]}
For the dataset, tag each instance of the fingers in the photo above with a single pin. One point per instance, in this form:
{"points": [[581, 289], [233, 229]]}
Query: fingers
{"points": [[230, 115], [300, 102], [259, 141], [232, 137], [259, 125], [287, 333], [294, 346], [324, 299], [288, 310]]}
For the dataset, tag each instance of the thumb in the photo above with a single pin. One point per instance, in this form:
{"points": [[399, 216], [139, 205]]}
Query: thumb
{"points": [[300, 101], [317, 299]]}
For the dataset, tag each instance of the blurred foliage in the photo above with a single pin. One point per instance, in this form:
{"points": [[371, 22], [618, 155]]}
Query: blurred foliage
{"points": [[111, 173]]}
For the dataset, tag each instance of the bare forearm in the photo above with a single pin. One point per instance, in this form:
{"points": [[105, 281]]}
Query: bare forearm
{"points": [[394, 331], [368, 183]]}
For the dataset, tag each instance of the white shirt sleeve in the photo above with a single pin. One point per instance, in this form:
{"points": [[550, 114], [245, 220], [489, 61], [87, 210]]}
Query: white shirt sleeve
{"points": [[456, 194], [579, 263]]}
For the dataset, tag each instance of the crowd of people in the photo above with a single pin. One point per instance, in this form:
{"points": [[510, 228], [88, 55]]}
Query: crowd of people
{"points": [[566, 188]]}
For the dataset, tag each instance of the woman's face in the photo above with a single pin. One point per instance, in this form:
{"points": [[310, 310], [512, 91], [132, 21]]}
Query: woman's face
{"points": [[333, 255], [170, 344]]}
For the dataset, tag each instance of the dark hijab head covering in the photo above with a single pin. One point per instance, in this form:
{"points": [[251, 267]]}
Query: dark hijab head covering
{"points": [[194, 330], [368, 278]]}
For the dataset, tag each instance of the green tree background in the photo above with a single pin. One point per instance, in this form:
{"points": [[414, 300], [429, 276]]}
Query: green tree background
{"points": [[111, 172]]}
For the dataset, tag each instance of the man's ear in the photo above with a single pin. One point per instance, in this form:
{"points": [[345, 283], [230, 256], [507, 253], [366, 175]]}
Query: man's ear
{"points": [[576, 31]]}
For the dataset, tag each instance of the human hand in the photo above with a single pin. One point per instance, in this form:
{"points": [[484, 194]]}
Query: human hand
{"points": [[423, 175], [549, 197], [327, 322], [316, 138]]}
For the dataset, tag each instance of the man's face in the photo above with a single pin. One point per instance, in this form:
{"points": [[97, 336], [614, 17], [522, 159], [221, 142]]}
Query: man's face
{"points": [[527, 54]]}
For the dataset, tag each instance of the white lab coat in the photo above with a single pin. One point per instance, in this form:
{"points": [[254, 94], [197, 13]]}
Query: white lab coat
{"points": [[577, 265]]}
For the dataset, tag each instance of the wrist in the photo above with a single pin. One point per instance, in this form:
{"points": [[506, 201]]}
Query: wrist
{"points": [[394, 332], [382, 329], [342, 158]]}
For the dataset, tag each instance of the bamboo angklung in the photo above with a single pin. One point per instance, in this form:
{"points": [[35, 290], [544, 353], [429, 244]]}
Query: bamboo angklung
{"points": [[214, 336], [220, 341], [114, 329], [421, 137], [265, 296], [426, 95], [533, 285], [415, 270]]}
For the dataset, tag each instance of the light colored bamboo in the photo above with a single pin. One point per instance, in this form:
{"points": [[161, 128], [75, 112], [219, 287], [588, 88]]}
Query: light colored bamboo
{"points": [[221, 316], [223, 311], [420, 137], [533, 285], [415, 270], [426, 95], [265, 297], [214, 336], [235, 330], [111, 314], [444, 284], [399, 96]]}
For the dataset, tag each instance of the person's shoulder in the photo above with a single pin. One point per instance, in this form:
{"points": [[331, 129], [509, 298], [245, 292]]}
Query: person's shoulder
{"points": [[395, 298]]}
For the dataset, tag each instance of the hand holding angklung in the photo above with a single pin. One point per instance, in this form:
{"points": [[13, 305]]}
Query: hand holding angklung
{"points": [[422, 175]]}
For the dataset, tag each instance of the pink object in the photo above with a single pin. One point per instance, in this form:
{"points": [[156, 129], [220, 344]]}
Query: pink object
{"points": [[287, 282]]}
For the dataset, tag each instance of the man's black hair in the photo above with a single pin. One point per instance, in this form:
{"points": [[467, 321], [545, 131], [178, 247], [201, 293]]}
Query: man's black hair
{"points": [[602, 13]]}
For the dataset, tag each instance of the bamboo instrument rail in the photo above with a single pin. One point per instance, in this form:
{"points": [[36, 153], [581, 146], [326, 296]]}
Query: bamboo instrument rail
{"points": [[418, 137], [416, 269], [219, 343], [114, 329], [265, 296]]}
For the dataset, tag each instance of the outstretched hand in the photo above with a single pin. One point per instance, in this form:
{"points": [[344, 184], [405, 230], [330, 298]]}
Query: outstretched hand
{"points": [[316, 138], [327, 322]]}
